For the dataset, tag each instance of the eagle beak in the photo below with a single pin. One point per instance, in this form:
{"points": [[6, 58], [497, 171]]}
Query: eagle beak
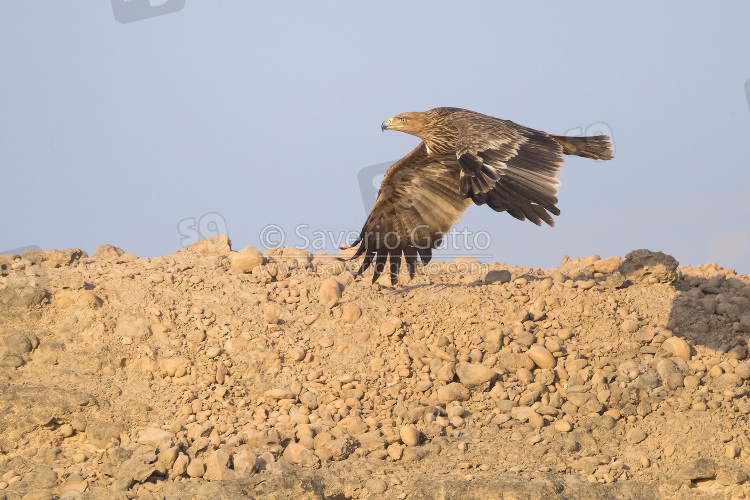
{"points": [[386, 125]]}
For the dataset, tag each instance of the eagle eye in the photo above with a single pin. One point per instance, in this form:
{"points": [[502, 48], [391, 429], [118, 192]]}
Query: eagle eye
{"points": [[403, 119]]}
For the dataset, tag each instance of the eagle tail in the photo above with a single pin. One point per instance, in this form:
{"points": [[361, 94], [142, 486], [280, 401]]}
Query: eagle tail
{"points": [[596, 147]]}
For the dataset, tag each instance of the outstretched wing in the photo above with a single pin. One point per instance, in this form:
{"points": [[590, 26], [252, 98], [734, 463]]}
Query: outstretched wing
{"points": [[417, 204], [508, 167]]}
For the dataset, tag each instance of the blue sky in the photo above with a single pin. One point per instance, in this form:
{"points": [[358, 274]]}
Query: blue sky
{"points": [[244, 114]]}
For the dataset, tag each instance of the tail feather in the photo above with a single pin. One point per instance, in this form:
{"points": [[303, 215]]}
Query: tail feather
{"points": [[596, 147]]}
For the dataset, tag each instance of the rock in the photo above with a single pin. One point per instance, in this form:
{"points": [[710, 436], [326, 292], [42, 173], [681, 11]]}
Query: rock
{"points": [[215, 245], [563, 426], [196, 468], [703, 468], [742, 370], [647, 266], [244, 462], [297, 353], [351, 313], [636, 435], [290, 257], [55, 258], [180, 465], [475, 375], [678, 347], [330, 293], [153, 436], [38, 495], [375, 486], [217, 467], [101, 434], [608, 265], [455, 391], [413, 454], [395, 451], [341, 448], [409, 435], [501, 276], [246, 259], [298, 454], [278, 394], [107, 252], [541, 357], [512, 362]]}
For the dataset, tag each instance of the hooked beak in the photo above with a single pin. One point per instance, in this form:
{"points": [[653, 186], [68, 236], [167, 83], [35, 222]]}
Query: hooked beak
{"points": [[386, 125]]}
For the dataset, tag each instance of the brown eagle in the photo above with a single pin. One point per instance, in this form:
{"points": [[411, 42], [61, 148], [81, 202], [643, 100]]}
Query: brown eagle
{"points": [[465, 157]]}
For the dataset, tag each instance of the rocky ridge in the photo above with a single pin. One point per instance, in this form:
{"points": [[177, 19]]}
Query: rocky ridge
{"points": [[211, 373]]}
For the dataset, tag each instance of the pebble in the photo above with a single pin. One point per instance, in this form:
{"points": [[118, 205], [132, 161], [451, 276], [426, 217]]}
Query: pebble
{"points": [[297, 353], [375, 486], [196, 468], [541, 357], [351, 313], [497, 276], [678, 347], [563, 426], [330, 292], [409, 435], [636, 435], [474, 374], [455, 391]]}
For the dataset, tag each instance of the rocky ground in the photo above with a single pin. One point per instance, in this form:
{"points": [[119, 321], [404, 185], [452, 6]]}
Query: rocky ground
{"points": [[211, 373]]}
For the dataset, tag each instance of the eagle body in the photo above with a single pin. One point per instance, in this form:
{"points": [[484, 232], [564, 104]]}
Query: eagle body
{"points": [[464, 157]]}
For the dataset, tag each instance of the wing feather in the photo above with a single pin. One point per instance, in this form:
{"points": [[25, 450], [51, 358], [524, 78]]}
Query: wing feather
{"points": [[418, 203], [527, 162]]}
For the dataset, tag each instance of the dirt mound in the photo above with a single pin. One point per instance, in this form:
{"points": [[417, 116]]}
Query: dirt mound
{"points": [[211, 373]]}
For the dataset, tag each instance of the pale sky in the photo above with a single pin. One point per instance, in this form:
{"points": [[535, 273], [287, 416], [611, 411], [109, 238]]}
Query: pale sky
{"points": [[246, 115]]}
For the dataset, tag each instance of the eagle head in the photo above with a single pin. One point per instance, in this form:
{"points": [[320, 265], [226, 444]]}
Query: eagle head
{"points": [[411, 123]]}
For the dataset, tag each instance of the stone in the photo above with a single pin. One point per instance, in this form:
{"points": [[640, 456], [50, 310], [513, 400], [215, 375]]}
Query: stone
{"points": [[298, 454], [153, 436], [351, 313], [196, 468], [608, 265], [742, 370], [215, 245], [636, 435], [678, 347], [341, 448], [330, 292], [497, 276], [647, 266], [244, 462], [107, 252], [297, 353], [246, 260], [38, 495], [409, 435], [703, 468], [541, 357], [180, 465], [563, 426], [375, 486], [217, 467], [475, 375], [455, 391]]}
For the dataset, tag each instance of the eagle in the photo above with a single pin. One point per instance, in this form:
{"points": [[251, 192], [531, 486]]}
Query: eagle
{"points": [[465, 157]]}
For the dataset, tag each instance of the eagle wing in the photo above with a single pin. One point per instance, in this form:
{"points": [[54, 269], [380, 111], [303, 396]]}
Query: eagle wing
{"points": [[508, 167], [417, 204]]}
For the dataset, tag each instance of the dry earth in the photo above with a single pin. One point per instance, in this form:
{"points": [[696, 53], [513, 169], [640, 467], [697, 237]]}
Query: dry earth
{"points": [[211, 373]]}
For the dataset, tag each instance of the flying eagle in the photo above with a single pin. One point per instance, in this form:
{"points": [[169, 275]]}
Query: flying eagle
{"points": [[464, 157]]}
